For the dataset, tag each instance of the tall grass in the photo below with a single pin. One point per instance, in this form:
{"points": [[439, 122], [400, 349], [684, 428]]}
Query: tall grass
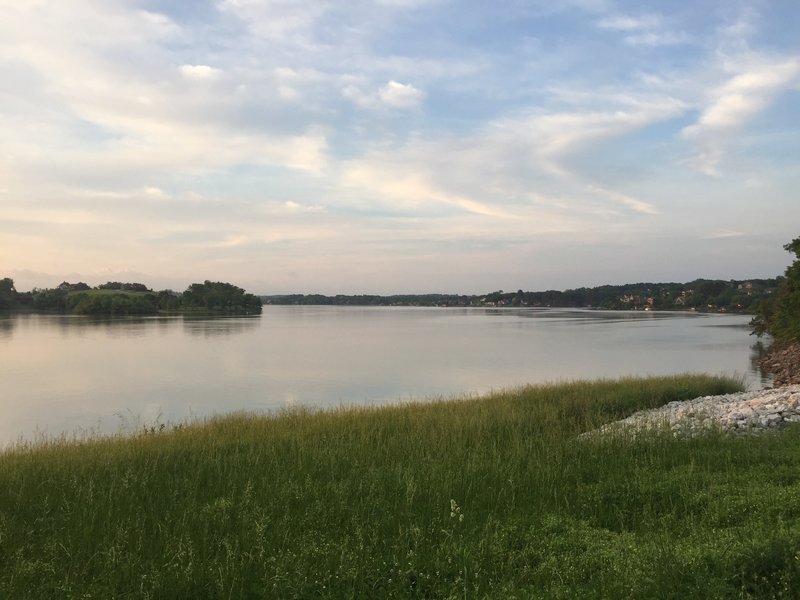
{"points": [[490, 497]]}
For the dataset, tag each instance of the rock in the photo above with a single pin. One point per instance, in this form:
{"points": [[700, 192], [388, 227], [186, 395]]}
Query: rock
{"points": [[783, 363], [743, 413]]}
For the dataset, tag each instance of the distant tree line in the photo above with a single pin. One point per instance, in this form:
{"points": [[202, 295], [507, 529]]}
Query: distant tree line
{"points": [[700, 294], [372, 300], [116, 298], [764, 297]]}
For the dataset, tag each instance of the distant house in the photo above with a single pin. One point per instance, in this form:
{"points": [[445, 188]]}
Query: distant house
{"points": [[65, 286], [747, 286]]}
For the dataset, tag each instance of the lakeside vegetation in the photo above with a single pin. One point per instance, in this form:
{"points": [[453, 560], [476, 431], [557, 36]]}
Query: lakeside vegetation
{"points": [[120, 299], [779, 315], [701, 294], [739, 296], [491, 497]]}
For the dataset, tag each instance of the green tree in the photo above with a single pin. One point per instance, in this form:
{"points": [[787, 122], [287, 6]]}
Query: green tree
{"points": [[780, 315], [8, 295], [49, 299], [217, 296]]}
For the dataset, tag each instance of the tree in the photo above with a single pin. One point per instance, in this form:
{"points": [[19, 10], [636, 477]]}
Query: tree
{"points": [[8, 295], [220, 297], [780, 315]]}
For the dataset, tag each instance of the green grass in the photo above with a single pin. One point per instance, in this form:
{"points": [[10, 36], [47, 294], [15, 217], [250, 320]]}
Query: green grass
{"points": [[489, 497]]}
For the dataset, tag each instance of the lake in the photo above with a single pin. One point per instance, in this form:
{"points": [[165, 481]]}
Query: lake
{"points": [[67, 374]]}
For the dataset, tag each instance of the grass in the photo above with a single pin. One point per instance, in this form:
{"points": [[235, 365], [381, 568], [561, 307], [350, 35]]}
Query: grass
{"points": [[487, 497]]}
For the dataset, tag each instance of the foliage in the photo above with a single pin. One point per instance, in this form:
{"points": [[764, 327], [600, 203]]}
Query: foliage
{"points": [[115, 303], [218, 296], [779, 316], [488, 497], [117, 299], [125, 287], [701, 294], [49, 299], [8, 295]]}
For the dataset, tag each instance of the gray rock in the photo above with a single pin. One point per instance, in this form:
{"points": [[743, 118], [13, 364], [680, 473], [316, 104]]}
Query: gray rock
{"points": [[746, 412]]}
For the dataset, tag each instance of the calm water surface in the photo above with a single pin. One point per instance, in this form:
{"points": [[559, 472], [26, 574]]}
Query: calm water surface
{"points": [[65, 374]]}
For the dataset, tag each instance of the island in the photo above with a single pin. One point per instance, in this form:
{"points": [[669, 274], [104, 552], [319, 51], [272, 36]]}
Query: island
{"points": [[122, 299]]}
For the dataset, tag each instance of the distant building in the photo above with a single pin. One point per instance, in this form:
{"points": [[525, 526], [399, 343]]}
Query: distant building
{"points": [[65, 286]]}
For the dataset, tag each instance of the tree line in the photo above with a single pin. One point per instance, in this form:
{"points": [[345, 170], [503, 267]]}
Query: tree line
{"points": [[117, 298], [775, 302], [701, 294]]}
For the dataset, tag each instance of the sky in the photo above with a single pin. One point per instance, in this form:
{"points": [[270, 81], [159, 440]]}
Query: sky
{"points": [[397, 146]]}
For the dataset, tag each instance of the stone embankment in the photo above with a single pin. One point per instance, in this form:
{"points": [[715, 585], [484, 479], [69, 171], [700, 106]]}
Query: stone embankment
{"points": [[743, 413], [783, 362]]}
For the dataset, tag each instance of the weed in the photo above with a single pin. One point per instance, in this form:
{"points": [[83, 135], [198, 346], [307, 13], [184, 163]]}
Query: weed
{"points": [[474, 498]]}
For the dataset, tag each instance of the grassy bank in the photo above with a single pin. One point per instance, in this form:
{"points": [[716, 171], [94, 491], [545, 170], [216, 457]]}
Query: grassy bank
{"points": [[479, 498]]}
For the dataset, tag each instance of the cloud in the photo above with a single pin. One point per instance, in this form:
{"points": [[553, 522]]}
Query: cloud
{"points": [[199, 71], [746, 94], [645, 30], [393, 95], [733, 104], [720, 235], [293, 206], [553, 138], [521, 169], [634, 204], [629, 23], [105, 97], [155, 193], [246, 132], [408, 190], [400, 95], [286, 21], [408, 3]]}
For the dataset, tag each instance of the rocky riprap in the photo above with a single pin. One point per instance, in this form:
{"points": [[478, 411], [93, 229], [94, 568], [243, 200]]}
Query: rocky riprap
{"points": [[783, 362], [743, 413]]}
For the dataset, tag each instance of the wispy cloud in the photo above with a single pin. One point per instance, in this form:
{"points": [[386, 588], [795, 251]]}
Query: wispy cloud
{"points": [[286, 21], [394, 94], [731, 105], [718, 235], [292, 135], [643, 30]]}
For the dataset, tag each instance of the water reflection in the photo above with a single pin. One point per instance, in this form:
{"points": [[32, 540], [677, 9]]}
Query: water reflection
{"points": [[6, 327], [70, 326], [63, 373], [589, 315], [757, 352], [219, 326], [80, 326]]}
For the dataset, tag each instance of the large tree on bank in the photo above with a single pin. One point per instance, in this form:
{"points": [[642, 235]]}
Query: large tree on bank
{"points": [[780, 316]]}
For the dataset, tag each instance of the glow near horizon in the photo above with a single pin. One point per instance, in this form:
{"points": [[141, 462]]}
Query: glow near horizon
{"points": [[393, 146]]}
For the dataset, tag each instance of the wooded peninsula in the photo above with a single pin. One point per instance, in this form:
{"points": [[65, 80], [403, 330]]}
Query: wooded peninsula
{"points": [[120, 299]]}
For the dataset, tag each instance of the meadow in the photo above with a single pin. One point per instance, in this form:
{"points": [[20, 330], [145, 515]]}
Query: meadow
{"points": [[466, 498]]}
